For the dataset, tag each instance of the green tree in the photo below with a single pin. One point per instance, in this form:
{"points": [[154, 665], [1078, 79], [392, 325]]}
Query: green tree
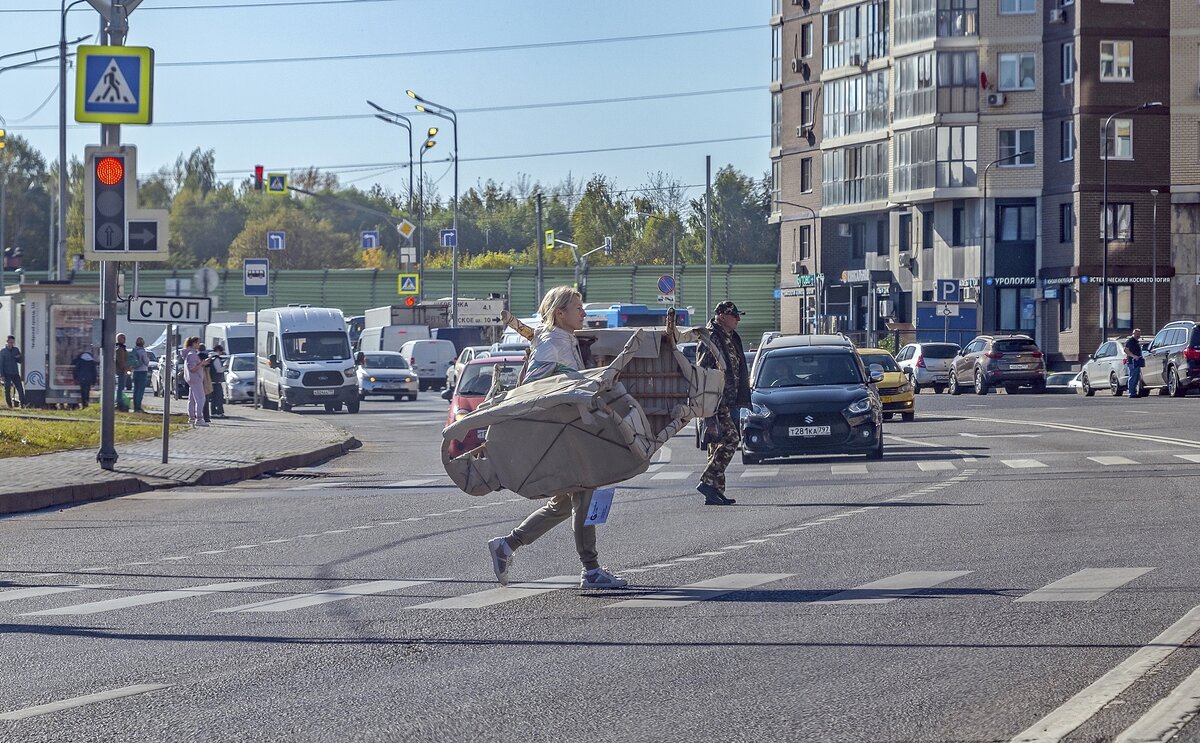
{"points": [[310, 243], [738, 224], [26, 203]]}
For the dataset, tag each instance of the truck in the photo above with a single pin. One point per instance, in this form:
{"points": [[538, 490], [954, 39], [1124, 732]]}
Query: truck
{"points": [[389, 337], [304, 359], [429, 314], [234, 337]]}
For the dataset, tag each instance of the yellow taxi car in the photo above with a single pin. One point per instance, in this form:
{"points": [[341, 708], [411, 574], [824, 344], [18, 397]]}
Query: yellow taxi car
{"points": [[895, 392]]}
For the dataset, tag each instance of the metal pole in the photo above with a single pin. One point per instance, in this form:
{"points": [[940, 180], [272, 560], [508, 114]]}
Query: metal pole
{"points": [[708, 233], [1104, 250], [454, 249], [168, 383], [110, 136], [421, 212], [1154, 266], [256, 352], [3, 208], [674, 269], [541, 248], [983, 254]]}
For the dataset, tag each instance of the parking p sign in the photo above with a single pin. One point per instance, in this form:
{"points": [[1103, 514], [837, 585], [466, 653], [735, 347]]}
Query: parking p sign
{"points": [[256, 277]]}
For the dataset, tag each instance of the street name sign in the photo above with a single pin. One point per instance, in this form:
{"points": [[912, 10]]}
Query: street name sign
{"points": [[480, 311], [256, 277], [163, 310], [114, 84]]}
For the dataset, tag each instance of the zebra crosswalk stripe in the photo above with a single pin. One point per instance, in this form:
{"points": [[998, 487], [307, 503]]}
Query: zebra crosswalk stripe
{"points": [[897, 586], [305, 600], [670, 475], [848, 469], [494, 596], [1085, 585], [761, 472], [18, 594], [156, 597], [1021, 464], [1112, 461], [700, 591]]}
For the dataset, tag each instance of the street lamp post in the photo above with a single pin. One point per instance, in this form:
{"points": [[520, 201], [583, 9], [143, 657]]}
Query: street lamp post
{"points": [[449, 114], [61, 254], [403, 121], [983, 245], [428, 145], [1104, 216], [1154, 264]]}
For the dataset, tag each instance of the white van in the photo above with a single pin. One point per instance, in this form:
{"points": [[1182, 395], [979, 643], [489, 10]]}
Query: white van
{"points": [[430, 359], [304, 359], [234, 337], [389, 337]]}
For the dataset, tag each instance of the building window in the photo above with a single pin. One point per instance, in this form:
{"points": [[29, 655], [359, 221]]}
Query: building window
{"points": [[904, 233], [806, 175], [806, 108], [1017, 145], [1120, 307], [1116, 60], [776, 185], [958, 228], [1066, 308], [805, 242], [881, 237], [777, 53], [1013, 7], [1017, 309], [1018, 71], [1016, 223], [915, 159], [958, 17], [927, 229], [854, 175], [958, 82], [957, 156], [854, 105], [1066, 143], [806, 40], [1118, 145], [915, 86], [776, 119], [1067, 56], [856, 35], [1122, 227], [1066, 223], [858, 240]]}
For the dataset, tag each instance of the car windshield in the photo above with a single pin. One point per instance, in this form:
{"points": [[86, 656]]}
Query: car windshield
{"points": [[329, 345], [384, 361], [1015, 345], [808, 370], [477, 378], [939, 350], [242, 363], [244, 344], [883, 359]]}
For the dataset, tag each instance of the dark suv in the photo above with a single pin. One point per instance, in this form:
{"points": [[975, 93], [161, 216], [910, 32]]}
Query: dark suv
{"points": [[1173, 359], [808, 396], [1011, 361]]}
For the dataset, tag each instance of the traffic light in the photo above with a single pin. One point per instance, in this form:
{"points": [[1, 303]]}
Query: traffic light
{"points": [[410, 301], [258, 177], [2, 135], [108, 201], [608, 248]]}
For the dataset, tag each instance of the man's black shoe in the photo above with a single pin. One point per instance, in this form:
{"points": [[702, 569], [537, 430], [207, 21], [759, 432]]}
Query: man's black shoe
{"points": [[712, 496]]}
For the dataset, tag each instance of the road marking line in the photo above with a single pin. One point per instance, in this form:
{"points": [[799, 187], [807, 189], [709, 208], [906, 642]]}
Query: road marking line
{"points": [[1169, 716], [761, 472], [663, 456], [701, 591], [914, 442], [756, 541], [711, 554], [98, 570], [173, 559], [688, 559], [933, 466], [1111, 461], [1085, 585], [848, 469], [494, 596], [660, 565], [735, 547], [1189, 457], [104, 696], [244, 547], [1084, 705], [272, 541], [670, 475], [894, 587], [1019, 464], [1126, 435], [409, 483], [17, 594], [205, 552], [304, 600], [144, 599], [364, 526]]}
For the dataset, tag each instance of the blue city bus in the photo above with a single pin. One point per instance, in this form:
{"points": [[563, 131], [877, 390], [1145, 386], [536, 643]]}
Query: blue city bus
{"points": [[600, 315]]}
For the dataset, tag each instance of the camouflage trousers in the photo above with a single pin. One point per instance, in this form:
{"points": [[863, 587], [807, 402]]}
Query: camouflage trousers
{"points": [[721, 452]]}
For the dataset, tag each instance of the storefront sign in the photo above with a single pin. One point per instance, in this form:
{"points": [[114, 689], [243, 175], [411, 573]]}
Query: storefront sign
{"points": [[1011, 281], [1126, 280]]}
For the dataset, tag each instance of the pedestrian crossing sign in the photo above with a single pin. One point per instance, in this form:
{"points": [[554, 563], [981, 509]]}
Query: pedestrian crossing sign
{"points": [[277, 183], [114, 85], [408, 283]]}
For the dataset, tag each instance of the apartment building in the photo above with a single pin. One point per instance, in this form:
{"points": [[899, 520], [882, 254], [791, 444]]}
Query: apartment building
{"points": [[1185, 160], [950, 125]]}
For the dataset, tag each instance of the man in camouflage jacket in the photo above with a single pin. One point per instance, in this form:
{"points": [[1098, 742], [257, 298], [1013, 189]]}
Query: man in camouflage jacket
{"points": [[720, 431]]}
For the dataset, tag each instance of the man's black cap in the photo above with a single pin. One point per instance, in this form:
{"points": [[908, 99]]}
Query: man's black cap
{"points": [[727, 308]]}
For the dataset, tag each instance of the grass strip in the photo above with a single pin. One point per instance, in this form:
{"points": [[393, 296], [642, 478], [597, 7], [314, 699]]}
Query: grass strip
{"points": [[24, 435]]}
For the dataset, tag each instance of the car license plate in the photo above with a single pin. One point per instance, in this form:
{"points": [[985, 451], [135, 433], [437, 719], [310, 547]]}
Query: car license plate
{"points": [[1018, 366], [481, 433], [324, 392], [941, 377], [808, 431]]}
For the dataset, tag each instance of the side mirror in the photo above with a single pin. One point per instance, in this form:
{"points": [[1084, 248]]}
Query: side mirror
{"points": [[448, 393], [962, 352], [876, 373], [273, 361]]}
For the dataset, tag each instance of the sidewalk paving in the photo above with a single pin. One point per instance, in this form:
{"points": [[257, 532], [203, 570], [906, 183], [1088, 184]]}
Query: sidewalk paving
{"points": [[246, 444]]}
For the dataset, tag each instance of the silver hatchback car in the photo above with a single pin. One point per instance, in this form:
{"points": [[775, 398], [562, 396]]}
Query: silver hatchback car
{"points": [[927, 364], [1106, 369]]}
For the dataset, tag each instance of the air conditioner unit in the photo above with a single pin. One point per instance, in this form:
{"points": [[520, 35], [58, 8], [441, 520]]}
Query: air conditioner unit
{"points": [[1198, 89], [969, 293], [1058, 15], [796, 266], [885, 308], [844, 229], [904, 257], [804, 130], [995, 100], [796, 64], [856, 59]]}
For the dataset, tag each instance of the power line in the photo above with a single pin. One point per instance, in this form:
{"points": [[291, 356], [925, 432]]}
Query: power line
{"points": [[224, 6]]}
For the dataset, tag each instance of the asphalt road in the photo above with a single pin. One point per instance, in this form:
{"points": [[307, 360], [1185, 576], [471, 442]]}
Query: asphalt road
{"points": [[1016, 568]]}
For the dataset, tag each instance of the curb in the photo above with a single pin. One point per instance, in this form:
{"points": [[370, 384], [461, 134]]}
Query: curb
{"points": [[73, 495]]}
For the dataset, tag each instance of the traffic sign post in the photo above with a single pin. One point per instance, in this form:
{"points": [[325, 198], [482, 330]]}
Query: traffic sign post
{"points": [[276, 240], [408, 284], [370, 239], [114, 84], [947, 290], [448, 238], [114, 228], [946, 311], [277, 184], [256, 277], [174, 310], [480, 311]]}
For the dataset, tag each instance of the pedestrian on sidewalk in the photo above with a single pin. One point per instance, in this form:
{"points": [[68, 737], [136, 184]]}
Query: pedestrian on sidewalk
{"points": [[721, 430], [139, 362], [216, 371], [11, 362], [194, 371], [555, 351], [1135, 361], [207, 381], [122, 358], [84, 371]]}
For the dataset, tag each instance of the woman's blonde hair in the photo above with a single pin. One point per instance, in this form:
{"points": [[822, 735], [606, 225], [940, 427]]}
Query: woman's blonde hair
{"points": [[557, 299]]}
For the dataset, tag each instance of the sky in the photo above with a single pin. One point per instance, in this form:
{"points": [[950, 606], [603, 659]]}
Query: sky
{"points": [[284, 84]]}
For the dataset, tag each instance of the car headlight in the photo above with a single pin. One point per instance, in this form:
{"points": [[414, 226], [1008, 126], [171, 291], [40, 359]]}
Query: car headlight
{"points": [[233, 379], [759, 411], [459, 414], [292, 374], [904, 388], [858, 407], [349, 371], [370, 379]]}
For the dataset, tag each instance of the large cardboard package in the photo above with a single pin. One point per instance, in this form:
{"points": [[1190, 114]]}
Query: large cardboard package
{"points": [[592, 428]]}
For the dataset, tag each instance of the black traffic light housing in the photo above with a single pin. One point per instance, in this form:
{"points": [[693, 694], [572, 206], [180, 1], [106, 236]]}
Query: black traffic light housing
{"points": [[258, 177]]}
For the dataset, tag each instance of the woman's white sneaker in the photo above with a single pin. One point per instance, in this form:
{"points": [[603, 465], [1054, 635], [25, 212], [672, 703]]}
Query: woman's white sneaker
{"points": [[601, 578], [502, 558]]}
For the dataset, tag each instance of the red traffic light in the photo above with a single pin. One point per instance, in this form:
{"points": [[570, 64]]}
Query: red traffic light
{"points": [[110, 170], [258, 177], [410, 301]]}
